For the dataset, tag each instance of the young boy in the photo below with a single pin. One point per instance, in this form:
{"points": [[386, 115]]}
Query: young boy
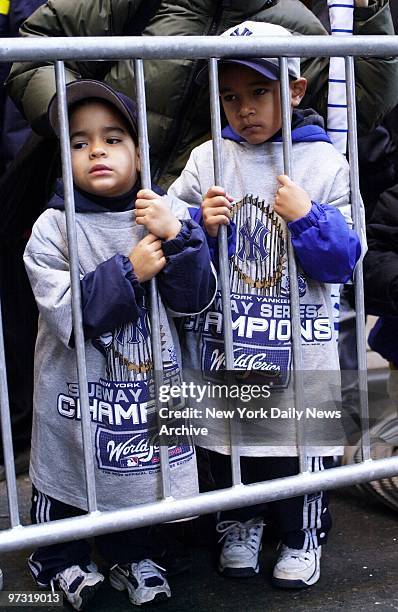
{"points": [[116, 259], [262, 201]]}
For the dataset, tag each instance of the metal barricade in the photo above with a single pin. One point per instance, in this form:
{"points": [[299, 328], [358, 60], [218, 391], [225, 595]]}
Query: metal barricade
{"points": [[168, 508]]}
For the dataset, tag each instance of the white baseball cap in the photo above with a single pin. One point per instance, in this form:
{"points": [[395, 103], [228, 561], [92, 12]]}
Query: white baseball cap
{"points": [[267, 66]]}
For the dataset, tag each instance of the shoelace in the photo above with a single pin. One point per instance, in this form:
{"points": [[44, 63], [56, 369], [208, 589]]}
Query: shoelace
{"points": [[147, 568], [240, 534]]}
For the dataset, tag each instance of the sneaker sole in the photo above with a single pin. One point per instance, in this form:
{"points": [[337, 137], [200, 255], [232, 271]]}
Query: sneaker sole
{"points": [[159, 597], [238, 572]]}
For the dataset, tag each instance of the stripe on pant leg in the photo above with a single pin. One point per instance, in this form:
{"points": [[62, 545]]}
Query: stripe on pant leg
{"points": [[312, 510], [48, 507], [38, 507], [43, 508]]}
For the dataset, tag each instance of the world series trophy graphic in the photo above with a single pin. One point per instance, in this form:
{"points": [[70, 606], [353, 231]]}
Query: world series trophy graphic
{"points": [[128, 351], [134, 447], [257, 267]]}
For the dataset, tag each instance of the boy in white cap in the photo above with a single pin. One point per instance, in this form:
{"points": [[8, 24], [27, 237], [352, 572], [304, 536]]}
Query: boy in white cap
{"points": [[263, 204]]}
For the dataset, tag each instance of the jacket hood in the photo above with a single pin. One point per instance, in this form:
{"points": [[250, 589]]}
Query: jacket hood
{"points": [[307, 126], [89, 203]]}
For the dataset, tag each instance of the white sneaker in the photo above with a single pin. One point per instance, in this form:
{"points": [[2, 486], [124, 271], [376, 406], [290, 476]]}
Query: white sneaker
{"points": [[297, 569], [240, 552], [79, 584], [144, 581]]}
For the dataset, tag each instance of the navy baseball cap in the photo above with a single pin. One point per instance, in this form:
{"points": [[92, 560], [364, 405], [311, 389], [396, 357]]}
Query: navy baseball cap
{"points": [[84, 89]]}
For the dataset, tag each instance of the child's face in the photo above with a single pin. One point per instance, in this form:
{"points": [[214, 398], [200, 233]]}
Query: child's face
{"points": [[105, 160], [252, 102]]}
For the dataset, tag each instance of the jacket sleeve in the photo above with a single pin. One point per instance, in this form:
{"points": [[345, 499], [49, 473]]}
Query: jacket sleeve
{"points": [[188, 282], [376, 78], [380, 264], [48, 270], [324, 241], [32, 84], [325, 246], [111, 296]]}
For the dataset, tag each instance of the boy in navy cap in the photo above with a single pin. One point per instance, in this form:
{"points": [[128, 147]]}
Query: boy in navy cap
{"points": [[116, 259]]}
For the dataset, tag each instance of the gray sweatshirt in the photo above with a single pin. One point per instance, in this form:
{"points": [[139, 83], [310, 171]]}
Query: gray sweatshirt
{"points": [[260, 302], [123, 425]]}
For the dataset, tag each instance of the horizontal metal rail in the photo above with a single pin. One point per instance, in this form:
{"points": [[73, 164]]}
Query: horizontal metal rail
{"points": [[194, 47], [159, 512]]}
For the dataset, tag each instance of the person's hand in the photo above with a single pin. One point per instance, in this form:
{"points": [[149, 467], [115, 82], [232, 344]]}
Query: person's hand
{"points": [[291, 202], [361, 3], [147, 258], [216, 210], [154, 212]]}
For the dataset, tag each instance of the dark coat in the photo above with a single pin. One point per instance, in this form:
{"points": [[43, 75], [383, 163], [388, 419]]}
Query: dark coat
{"points": [[178, 115], [381, 260], [14, 129]]}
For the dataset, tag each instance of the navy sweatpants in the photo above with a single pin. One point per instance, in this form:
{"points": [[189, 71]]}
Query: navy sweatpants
{"points": [[121, 547], [302, 522]]}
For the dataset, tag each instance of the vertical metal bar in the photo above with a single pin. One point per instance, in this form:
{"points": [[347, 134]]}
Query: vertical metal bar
{"points": [[7, 436], [154, 310], [75, 286], [223, 257], [293, 281], [358, 275]]}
